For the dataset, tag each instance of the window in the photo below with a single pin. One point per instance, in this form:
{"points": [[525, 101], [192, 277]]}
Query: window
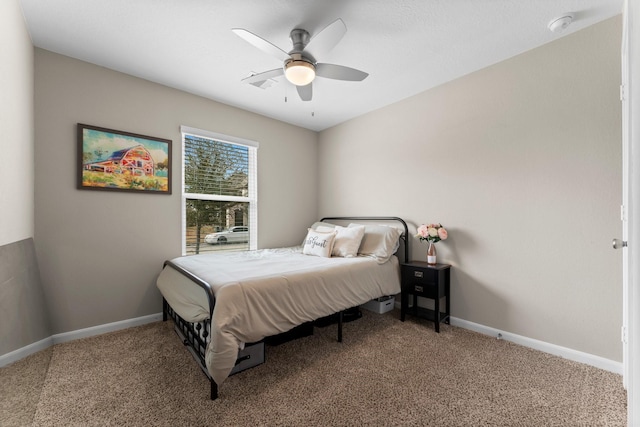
{"points": [[219, 192]]}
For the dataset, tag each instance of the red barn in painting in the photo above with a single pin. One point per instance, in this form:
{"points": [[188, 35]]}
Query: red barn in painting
{"points": [[136, 160]]}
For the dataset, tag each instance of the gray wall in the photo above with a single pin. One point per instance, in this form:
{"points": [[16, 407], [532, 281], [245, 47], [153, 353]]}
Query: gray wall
{"points": [[100, 252], [522, 162], [23, 313]]}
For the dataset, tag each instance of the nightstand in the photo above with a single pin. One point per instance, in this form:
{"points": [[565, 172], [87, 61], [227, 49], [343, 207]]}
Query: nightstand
{"points": [[428, 281]]}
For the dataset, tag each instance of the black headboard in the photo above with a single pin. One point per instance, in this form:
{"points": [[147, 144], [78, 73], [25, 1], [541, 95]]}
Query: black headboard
{"points": [[404, 237]]}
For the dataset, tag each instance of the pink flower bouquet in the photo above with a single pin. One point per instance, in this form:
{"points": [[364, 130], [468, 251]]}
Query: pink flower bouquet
{"points": [[432, 233]]}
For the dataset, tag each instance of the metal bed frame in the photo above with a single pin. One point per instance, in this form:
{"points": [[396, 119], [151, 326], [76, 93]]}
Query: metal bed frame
{"points": [[195, 336]]}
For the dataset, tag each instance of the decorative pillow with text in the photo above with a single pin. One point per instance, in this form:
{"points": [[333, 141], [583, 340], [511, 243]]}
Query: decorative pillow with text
{"points": [[319, 243]]}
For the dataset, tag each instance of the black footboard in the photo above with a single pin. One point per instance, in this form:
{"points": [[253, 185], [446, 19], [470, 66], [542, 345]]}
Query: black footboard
{"points": [[195, 337]]}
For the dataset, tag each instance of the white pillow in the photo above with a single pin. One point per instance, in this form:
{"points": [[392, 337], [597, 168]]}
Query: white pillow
{"points": [[347, 240], [323, 225], [319, 243], [379, 241]]}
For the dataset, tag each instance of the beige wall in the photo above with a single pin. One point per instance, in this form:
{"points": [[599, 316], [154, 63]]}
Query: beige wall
{"points": [[23, 311], [100, 252], [16, 125], [522, 163]]}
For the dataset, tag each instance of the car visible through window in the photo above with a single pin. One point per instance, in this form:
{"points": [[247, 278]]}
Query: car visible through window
{"points": [[238, 234]]}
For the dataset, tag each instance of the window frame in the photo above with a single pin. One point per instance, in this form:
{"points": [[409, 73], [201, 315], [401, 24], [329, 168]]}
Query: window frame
{"points": [[252, 196]]}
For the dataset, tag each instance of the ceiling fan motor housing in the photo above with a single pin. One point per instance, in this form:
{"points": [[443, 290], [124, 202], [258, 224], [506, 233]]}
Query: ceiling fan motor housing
{"points": [[300, 39], [299, 70]]}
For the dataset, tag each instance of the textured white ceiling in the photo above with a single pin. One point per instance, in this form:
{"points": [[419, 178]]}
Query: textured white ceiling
{"points": [[407, 46]]}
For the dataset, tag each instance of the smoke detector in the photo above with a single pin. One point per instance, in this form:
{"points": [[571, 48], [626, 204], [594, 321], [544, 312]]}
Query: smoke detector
{"points": [[558, 25]]}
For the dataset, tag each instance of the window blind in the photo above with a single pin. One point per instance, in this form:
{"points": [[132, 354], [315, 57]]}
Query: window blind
{"points": [[214, 167]]}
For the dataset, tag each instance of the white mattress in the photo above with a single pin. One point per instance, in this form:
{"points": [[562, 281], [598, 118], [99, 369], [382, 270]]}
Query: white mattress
{"points": [[266, 292]]}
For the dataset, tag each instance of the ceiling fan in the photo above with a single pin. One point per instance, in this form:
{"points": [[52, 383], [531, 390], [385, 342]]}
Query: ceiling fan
{"points": [[300, 66]]}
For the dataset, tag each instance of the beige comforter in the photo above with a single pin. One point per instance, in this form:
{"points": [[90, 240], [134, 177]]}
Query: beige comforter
{"points": [[266, 292]]}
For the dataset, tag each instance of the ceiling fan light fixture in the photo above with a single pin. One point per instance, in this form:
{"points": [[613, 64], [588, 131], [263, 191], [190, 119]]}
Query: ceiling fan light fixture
{"points": [[299, 72]]}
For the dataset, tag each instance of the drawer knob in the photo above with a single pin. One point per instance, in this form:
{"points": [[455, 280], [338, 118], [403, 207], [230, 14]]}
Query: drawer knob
{"points": [[418, 288], [417, 273]]}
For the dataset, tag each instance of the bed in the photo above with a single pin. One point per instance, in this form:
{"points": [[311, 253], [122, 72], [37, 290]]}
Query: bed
{"points": [[223, 304]]}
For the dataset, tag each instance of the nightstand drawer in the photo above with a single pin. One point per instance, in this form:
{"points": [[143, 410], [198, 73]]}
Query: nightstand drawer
{"points": [[428, 290], [420, 274]]}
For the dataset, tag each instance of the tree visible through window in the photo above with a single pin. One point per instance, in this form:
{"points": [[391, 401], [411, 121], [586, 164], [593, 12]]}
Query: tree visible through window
{"points": [[219, 192]]}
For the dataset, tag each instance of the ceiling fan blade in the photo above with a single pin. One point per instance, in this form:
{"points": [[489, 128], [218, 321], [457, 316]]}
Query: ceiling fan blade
{"points": [[326, 39], [339, 72], [305, 92], [261, 43], [260, 77]]}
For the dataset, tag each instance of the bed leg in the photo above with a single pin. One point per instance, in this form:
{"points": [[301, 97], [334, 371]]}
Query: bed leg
{"points": [[340, 326], [214, 390], [164, 310]]}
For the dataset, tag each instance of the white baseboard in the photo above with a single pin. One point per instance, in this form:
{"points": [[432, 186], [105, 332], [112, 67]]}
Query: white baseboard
{"points": [[556, 350], [23, 352], [567, 353], [103, 329]]}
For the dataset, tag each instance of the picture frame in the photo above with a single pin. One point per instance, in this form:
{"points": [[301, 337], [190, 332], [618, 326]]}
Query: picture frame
{"points": [[113, 160]]}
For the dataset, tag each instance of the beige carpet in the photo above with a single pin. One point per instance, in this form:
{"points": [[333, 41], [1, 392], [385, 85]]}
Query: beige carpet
{"points": [[385, 373], [20, 388]]}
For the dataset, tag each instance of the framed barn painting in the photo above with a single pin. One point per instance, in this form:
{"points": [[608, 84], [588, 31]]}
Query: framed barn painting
{"points": [[113, 160]]}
